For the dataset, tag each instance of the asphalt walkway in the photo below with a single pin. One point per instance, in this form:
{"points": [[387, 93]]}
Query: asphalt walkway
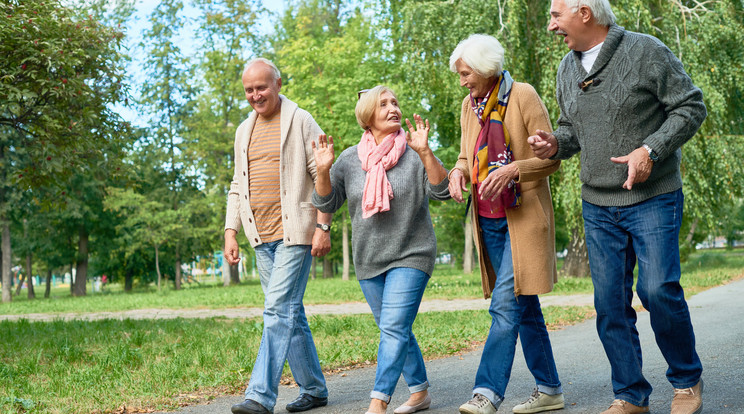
{"points": [[718, 317]]}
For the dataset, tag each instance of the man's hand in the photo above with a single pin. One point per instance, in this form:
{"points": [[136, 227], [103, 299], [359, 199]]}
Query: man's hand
{"points": [[639, 166], [497, 181], [543, 144], [231, 253], [321, 243], [457, 185]]}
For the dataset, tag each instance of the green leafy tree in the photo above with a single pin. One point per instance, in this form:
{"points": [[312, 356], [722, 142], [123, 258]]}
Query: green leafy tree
{"points": [[59, 74]]}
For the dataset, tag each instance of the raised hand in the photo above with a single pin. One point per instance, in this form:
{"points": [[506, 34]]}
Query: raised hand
{"points": [[323, 153], [418, 139]]}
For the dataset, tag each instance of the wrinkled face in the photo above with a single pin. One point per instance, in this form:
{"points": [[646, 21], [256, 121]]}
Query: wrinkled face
{"points": [[477, 84], [569, 24], [261, 90], [386, 118]]}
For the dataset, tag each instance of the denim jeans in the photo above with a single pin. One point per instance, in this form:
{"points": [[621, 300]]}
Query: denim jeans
{"points": [[616, 237], [394, 298], [511, 316], [286, 335]]}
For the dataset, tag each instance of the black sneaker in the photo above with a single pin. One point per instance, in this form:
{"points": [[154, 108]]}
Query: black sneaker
{"points": [[306, 402], [249, 407]]}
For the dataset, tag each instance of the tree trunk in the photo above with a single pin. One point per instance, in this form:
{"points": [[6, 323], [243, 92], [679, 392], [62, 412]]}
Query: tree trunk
{"points": [[327, 270], [467, 254], [72, 275], [314, 272], [577, 258], [235, 274], [29, 270], [128, 278], [81, 271], [157, 264], [345, 246], [177, 277], [6, 258], [48, 289]]}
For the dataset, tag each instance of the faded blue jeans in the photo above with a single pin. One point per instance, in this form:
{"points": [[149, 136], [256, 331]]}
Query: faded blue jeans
{"points": [[286, 335], [616, 237], [511, 317], [394, 298]]}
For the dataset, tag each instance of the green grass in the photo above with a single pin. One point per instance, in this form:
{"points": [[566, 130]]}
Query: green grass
{"points": [[96, 367], [702, 271]]}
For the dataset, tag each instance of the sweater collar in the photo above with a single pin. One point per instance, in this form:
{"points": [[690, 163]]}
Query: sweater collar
{"points": [[611, 43]]}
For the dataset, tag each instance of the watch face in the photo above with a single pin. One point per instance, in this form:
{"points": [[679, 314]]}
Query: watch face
{"points": [[323, 227]]}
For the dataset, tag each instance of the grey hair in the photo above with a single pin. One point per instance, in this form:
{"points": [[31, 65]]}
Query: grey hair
{"points": [[483, 53], [274, 69], [601, 9], [367, 103]]}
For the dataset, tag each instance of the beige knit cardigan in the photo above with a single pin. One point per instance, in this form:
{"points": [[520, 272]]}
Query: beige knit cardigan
{"points": [[296, 177], [531, 226]]}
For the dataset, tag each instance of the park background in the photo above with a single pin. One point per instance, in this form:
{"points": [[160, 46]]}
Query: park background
{"points": [[117, 121]]}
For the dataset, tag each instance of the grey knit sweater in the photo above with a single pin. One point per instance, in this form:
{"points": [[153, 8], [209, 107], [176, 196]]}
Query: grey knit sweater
{"points": [[643, 96], [400, 237]]}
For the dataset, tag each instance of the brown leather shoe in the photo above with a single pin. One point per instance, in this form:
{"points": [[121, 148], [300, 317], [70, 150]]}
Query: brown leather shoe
{"points": [[688, 400], [624, 407]]}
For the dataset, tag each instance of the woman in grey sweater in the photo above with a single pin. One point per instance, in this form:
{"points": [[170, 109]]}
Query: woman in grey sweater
{"points": [[388, 179]]}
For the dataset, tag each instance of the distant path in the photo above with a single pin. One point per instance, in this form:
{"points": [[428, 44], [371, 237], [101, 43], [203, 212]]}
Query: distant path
{"points": [[336, 309]]}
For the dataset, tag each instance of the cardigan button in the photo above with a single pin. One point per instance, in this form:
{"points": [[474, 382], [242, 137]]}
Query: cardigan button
{"points": [[250, 220], [256, 240]]}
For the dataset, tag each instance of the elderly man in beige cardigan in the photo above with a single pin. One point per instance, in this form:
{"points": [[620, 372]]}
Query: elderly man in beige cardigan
{"points": [[512, 219], [270, 198]]}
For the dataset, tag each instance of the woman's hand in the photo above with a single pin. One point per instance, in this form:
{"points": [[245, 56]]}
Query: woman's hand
{"points": [[418, 139], [457, 185], [497, 181], [323, 153]]}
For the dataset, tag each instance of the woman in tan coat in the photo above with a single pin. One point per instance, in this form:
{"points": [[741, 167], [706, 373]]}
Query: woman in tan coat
{"points": [[512, 219]]}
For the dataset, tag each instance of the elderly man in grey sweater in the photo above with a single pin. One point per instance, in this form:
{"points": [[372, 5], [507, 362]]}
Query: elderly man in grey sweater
{"points": [[627, 106]]}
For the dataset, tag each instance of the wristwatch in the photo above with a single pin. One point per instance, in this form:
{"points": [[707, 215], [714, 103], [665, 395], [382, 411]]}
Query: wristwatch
{"points": [[651, 153], [325, 227]]}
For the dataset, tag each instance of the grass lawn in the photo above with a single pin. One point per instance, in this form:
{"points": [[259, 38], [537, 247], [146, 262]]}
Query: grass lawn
{"points": [[97, 367], [100, 366]]}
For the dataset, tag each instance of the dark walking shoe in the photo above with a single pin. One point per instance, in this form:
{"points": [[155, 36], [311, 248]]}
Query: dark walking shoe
{"points": [[305, 402], [249, 407]]}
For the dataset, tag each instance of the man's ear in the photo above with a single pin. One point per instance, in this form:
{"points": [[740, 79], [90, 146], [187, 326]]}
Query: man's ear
{"points": [[279, 83], [585, 13]]}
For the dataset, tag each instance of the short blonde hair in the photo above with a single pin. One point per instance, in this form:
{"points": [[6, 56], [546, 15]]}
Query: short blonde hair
{"points": [[367, 103]]}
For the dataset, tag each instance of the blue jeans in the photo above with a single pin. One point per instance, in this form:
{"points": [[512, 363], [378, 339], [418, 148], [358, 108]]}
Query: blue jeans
{"points": [[616, 237], [286, 335], [394, 298], [511, 316]]}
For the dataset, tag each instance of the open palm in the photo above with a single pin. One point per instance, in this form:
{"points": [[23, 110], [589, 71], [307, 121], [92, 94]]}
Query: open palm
{"points": [[323, 153], [418, 138]]}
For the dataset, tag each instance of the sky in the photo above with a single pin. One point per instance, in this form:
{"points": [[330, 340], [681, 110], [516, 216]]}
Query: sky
{"points": [[134, 35]]}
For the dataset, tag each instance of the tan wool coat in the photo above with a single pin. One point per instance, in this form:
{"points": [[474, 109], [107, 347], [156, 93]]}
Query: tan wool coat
{"points": [[531, 225]]}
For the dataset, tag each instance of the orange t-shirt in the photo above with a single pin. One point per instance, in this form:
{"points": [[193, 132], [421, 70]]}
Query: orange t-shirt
{"points": [[263, 178]]}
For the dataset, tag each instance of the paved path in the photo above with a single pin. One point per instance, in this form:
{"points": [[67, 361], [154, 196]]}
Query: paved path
{"points": [[718, 317], [343, 308]]}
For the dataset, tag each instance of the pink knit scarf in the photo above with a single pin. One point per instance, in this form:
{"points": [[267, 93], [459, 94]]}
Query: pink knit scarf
{"points": [[376, 160]]}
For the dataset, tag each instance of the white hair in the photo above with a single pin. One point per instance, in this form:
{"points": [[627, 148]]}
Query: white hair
{"points": [[601, 9], [275, 71], [483, 53]]}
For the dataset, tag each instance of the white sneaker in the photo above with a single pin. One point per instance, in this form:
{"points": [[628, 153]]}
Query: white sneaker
{"points": [[479, 404], [539, 402]]}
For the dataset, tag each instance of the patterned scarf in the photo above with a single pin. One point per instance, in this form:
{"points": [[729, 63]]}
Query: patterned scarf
{"points": [[376, 160], [493, 147]]}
